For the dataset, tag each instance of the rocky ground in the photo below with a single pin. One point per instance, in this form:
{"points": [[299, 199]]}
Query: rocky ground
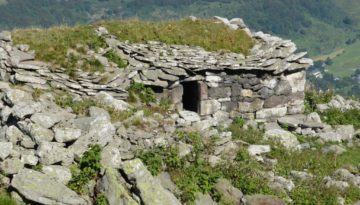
{"points": [[65, 147], [45, 142]]}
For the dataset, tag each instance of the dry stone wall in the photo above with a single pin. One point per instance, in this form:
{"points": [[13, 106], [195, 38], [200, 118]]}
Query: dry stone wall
{"points": [[269, 83], [266, 84]]}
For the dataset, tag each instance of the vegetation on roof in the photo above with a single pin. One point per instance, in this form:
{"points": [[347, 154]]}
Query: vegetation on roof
{"points": [[57, 45], [204, 33]]}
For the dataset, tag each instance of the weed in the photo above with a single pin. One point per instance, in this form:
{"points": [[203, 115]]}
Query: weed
{"points": [[153, 160], [37, 167], [138, 90], [101, 199], [239, 121], [113, 57], [37, 93], [165, 104], [87, 169], [312, 98]]}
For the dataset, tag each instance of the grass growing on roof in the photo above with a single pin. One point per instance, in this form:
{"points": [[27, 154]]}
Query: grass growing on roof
{"points": [[204, 33], [51, 45]]}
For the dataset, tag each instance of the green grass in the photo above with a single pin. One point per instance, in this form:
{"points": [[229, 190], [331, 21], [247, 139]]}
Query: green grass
{"points": [[345, 64], [51, 45], [335, 116], [204, 33], [5, 199]]}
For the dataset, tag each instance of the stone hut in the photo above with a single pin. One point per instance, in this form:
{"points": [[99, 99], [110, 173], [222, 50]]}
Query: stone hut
{"points": [[266, 84], [269, 83]]}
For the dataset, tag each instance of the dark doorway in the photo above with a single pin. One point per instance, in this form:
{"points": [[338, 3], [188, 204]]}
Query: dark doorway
{"points": [[191, 96]]}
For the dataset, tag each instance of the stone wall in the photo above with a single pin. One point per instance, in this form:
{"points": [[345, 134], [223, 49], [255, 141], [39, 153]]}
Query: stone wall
{"points": [[266, 84]]}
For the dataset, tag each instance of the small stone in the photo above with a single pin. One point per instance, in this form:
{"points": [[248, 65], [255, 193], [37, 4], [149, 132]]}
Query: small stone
{"points": [[255, 150], [11, 166], [189, 116], [66, 134], [58, 173], [5, 149], [229, 193]]}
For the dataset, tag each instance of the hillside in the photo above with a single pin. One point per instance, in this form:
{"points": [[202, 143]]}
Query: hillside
{"points": [[103, 114]]}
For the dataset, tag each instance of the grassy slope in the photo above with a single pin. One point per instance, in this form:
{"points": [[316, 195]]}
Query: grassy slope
{"points": [[345, 64]]}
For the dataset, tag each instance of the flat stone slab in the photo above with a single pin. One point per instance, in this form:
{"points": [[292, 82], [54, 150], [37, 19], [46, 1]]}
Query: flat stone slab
{"points": [[40, 188]]}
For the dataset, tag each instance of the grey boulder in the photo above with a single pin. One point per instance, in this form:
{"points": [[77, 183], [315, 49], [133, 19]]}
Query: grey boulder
{"points": [[40, 188]]}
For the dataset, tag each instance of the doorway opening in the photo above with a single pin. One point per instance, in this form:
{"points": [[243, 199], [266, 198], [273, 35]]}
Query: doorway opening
{"points": [[191, 96]]}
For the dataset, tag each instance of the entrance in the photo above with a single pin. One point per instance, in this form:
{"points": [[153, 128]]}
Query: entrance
{"points": [[191, 96]]}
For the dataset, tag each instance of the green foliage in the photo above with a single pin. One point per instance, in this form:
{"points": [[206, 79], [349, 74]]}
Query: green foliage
{"points": [[246, 174], [87, 170], [193, 138], [113, 57], [335, 116], [153, 160], [239, 121], [79, 107], [312, 98], [5, 199], [101, 199], [196, 177], [320, 165], [138, 90]]}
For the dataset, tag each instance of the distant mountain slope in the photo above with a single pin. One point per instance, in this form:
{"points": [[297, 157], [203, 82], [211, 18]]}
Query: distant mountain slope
{"points": [[319, 26]]}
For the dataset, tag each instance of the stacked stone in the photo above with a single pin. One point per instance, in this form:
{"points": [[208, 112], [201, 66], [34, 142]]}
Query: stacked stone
{"points": [[269, 83], [18, 65]]}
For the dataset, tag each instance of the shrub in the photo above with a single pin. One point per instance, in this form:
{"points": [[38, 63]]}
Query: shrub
{"points": [[113, 57], [239, 121], [153, 160], [88, 169], [101, 199], [138, 90]]}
